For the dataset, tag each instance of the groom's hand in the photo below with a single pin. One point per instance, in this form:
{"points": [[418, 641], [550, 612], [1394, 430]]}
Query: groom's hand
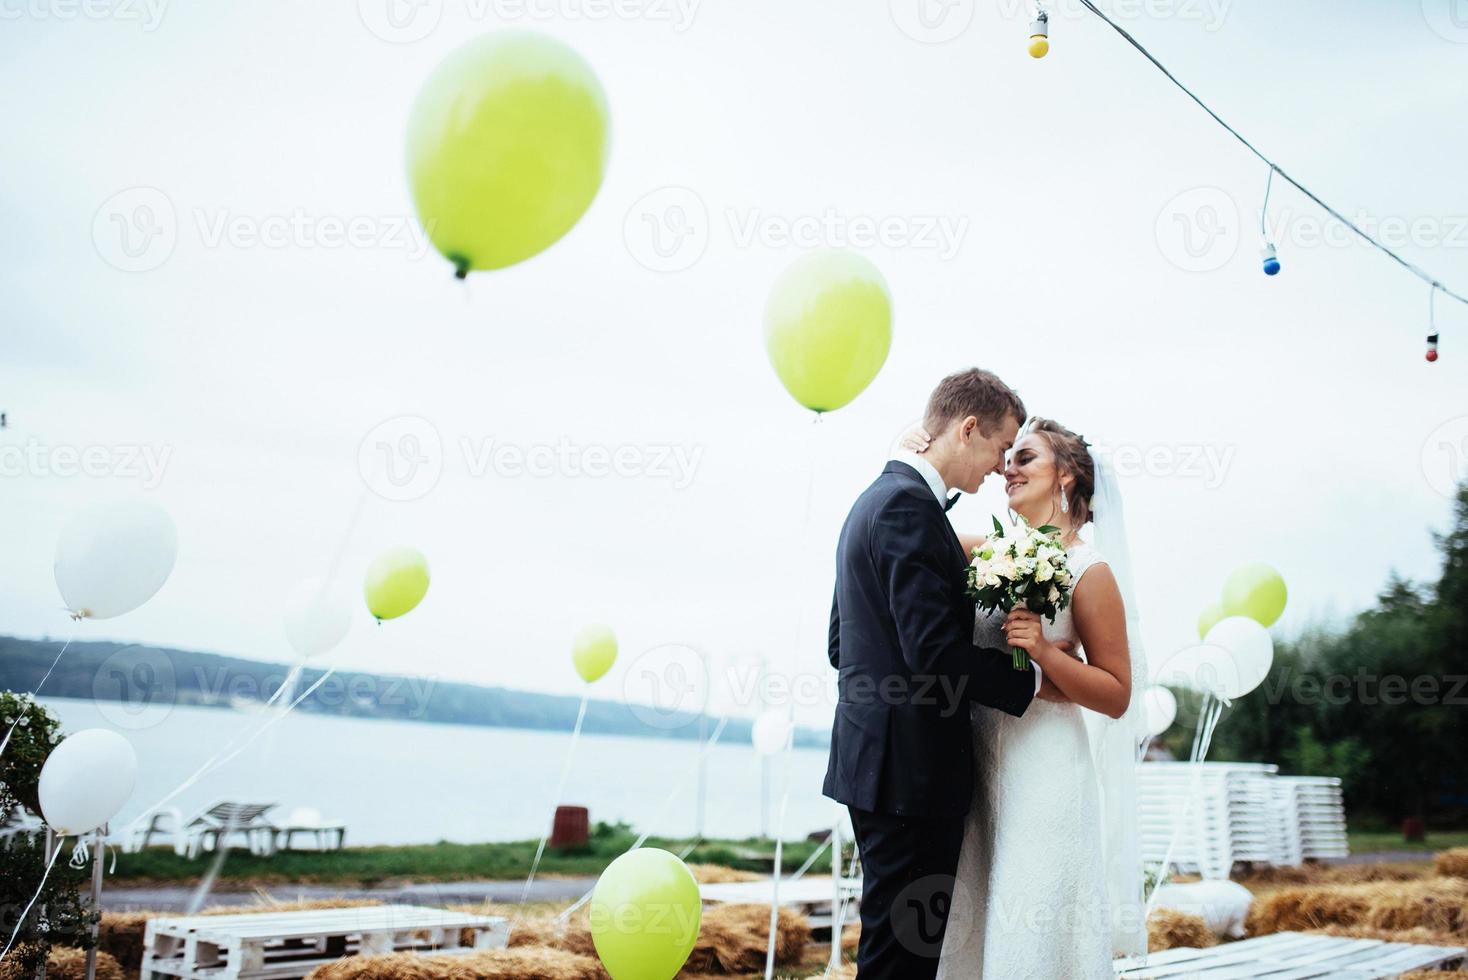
{"points": [[1049, 692]]}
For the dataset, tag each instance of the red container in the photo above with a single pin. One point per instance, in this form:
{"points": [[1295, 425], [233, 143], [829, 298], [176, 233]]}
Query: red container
{"points": [[1414, 830], [571, 828]]}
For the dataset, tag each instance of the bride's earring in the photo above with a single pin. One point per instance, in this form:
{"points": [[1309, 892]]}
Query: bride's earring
{"points": [[1064, 503]]}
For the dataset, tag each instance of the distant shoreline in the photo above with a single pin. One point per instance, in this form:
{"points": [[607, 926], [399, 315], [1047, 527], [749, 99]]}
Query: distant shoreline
{"points": [[150, 677]]}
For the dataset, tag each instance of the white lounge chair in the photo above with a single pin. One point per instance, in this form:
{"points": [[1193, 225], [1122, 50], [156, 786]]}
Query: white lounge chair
{"points": [[329, 836], [165, 823], [206, 831]]}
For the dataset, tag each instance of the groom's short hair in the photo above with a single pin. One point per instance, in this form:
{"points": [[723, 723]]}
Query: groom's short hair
{"points": [[972, 392]]}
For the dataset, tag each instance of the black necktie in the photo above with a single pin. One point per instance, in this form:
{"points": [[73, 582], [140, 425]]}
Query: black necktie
{"points": [[951, 501]]}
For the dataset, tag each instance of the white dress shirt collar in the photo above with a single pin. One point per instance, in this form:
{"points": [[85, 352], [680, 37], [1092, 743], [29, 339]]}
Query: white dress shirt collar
{"points": [[927, 471]]}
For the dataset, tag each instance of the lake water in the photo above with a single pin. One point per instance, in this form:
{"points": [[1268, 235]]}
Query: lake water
{"points": [[408, 782]]}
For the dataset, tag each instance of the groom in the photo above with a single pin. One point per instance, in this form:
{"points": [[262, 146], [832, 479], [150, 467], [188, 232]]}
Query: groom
{"points": [[901, 642]]}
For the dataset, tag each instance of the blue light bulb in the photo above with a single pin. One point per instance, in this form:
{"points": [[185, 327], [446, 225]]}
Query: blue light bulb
{"points": [[1271, 260]]}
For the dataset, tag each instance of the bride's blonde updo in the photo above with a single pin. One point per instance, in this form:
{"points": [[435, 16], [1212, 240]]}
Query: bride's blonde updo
{"points": [[1073, 458]]}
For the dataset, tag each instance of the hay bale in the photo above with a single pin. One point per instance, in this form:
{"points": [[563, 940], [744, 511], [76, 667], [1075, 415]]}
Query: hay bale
{"points": [[851, 938], [1435, 975], [717, 874], [1435, 904], [121, 935], [546, 928], [1171, 929], [731, 938], [64, 963], [264, 903], [1451, 863], [524, 963], [1332, 874], [734, 938]]}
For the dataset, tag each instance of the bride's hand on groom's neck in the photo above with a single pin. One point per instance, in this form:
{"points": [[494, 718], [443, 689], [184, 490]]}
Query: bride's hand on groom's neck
{"points": [[916, 440]]}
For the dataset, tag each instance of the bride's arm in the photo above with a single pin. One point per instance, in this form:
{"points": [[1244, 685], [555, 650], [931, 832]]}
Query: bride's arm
{"points": [[1105, 683]]}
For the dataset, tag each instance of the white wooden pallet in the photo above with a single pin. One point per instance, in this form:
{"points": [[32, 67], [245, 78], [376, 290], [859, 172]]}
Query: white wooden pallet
{"points": [[286, 945], [1290, 956]]}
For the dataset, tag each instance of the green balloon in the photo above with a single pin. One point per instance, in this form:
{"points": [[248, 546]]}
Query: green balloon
{"points": [[507, 143], [828, 328], [397, 580], [645, 913], [1255, 590], [594, 651], [1209, 618]]}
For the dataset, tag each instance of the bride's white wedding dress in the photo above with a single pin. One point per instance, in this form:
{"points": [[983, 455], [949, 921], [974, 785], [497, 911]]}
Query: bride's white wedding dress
{"points": [[1031, 896]]}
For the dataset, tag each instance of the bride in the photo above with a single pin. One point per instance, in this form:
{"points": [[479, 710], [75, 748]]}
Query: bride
{"points": [[1049, 880]]}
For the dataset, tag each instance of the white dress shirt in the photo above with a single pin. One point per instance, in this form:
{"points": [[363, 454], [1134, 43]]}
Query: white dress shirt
{"points": [[935, 482]]}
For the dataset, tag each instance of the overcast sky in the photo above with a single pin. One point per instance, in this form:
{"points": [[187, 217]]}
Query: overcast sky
{"points": [[178, 179]]}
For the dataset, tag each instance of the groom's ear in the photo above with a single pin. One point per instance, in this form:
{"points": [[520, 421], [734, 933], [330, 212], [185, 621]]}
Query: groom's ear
{"points": [[967, 427]]}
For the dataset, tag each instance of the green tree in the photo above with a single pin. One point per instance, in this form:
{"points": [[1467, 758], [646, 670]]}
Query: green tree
{"points": [[1379, 703], [57, 915]]}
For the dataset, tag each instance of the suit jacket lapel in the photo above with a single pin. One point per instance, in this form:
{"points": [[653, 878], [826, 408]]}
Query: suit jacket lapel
{"points": [[905, 472]]}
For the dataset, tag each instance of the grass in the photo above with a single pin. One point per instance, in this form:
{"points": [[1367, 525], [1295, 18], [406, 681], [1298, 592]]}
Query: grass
{"points": [[443, 861], [1373, 841]]}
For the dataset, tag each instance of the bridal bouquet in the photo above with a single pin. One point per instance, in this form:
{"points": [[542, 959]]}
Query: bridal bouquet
{"points": [[1021, 566]]}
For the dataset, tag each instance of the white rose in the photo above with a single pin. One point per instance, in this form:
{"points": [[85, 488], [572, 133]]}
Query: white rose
{"points": [[1028, 545], [1054, 594], [991, 579], [1044, 571]]}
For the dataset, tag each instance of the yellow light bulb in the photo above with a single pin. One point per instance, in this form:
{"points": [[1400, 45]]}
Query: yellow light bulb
{"points": [[1039, 46]]}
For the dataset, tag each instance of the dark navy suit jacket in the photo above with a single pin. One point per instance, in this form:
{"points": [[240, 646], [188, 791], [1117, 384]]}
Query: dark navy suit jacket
{"points": [[902, 644]]}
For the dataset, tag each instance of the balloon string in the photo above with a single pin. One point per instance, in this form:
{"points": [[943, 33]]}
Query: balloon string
{"points": [[560, 791], [215, 762], [779, 854], [838, 914], [662, 812], [206, 884], [1208, 716], [39, 888], [44, 677], [243, 733]]}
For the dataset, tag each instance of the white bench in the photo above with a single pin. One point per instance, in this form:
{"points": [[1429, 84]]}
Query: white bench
{"points": [[1290, 956], [285, 945]]}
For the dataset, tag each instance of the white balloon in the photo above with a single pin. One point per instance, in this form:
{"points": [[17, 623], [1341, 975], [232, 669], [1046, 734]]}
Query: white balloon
{"points": [[316, 618], [771, 731], [86, 780], [1250, 646], [1222, 905], [1161, 707], [113, 557], [1203, 668]]}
